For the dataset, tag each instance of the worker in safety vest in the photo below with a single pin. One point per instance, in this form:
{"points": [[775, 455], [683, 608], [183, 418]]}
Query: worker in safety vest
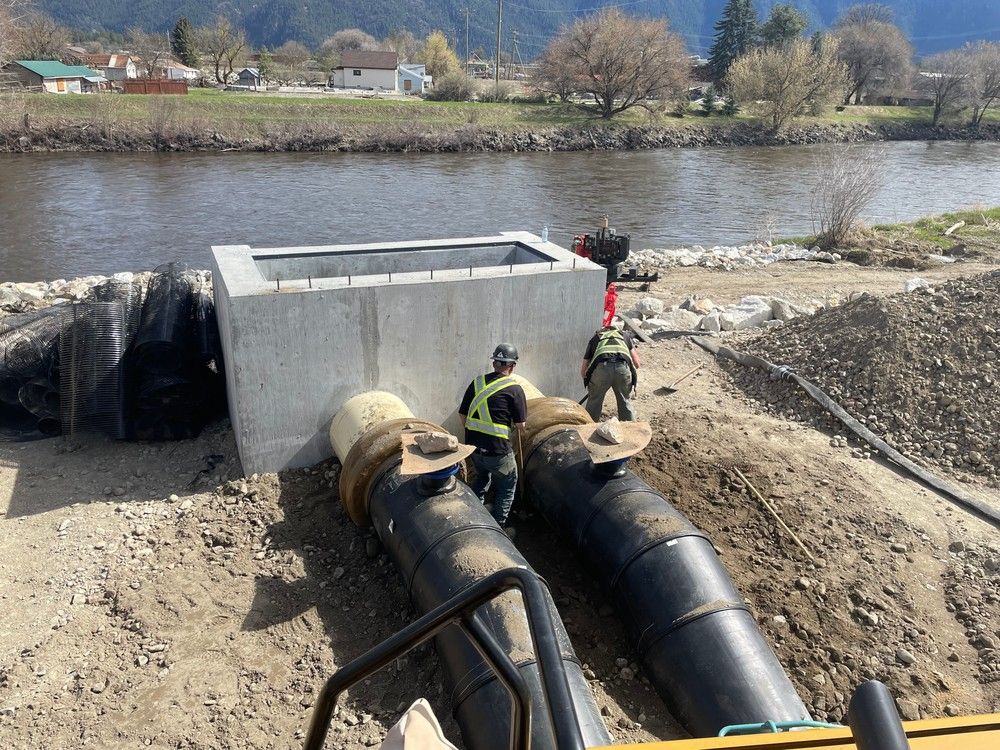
{"points": [[610, 361], [492, 408]]}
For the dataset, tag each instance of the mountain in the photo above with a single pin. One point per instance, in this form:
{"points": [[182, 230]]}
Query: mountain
{"points": [[933, 25]]}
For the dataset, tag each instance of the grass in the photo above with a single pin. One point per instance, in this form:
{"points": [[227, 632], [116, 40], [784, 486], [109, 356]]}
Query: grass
{"points": [[228, 110], [981, 224]]}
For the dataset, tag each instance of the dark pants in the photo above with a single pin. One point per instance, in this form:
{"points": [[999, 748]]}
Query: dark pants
{"points": [[500, 472], [611, 374]]}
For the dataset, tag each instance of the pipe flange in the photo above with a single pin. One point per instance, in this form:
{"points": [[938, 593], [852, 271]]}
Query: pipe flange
{"points": [[544, 413], [379, 444]]}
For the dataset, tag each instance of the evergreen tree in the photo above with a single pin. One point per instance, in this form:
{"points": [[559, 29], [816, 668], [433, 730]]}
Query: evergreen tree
{"points": [[182, 43], [784, 25], [265, 64], [735, 35]]}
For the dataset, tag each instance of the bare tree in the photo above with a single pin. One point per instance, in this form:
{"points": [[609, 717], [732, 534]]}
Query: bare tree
{"points": [[620, 60], [983, 90], [223, 44], [404, 44], [785, 82], [345, 39], [946, 78], [41, 38], [849, 179], [555, 72], [875, 50], [150, 49], [12, 16], [292, 53]]}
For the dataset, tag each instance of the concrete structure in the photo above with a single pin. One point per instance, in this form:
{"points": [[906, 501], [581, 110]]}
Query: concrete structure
{"points": [[367, 69], [54, 77], [306, 328]]}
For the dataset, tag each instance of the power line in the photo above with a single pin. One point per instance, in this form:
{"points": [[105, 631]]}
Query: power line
{"points": [[578, 10]]}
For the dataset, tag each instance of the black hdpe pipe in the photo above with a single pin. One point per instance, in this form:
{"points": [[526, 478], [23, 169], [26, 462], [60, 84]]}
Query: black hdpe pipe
{"points": [[695, 636], [874, 720], [442, 539]]}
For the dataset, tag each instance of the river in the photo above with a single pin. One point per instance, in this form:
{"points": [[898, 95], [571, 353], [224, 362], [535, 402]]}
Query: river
{"points": [[64, 215]]}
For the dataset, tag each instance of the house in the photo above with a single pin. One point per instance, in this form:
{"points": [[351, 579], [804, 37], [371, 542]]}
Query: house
{"points": [[412, 78], [250, 78], [116, 67], [55, 77], [176, 71], [367, 69]]}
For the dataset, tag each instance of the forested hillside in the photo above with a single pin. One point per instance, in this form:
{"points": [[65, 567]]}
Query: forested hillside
{"points": [[932, 24]]}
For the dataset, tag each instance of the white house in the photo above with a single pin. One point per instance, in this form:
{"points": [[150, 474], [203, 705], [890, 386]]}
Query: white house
{"points": [[177, 71], [115, 67], [412, 78], [367, 69]]}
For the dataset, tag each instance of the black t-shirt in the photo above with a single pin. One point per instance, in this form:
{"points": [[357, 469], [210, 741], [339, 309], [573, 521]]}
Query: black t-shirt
{"points": [[592, 346], [508, 407]]}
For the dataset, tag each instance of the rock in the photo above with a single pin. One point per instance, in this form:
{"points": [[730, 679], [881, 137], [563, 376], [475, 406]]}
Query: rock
{"points": [[626, 674], [610, 431], [712, 322], [648, 307], [675, 320], [915, 283], [187, 504], [803, 583], [908, 709], [782, 310], [950, 709], [700, 306], [905, 657], [338, 573], [436, 442], [957, 546], [77, 599], [898, 548], [749, 313]]}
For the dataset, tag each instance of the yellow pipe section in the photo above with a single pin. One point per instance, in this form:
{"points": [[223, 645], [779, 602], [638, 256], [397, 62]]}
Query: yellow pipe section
{"points": [[361, 413]]}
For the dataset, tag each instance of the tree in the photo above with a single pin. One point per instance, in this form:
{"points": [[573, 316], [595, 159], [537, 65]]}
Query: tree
{"points": [[788, 81], [41, 38], [848, 181], [708, 105], [621, 61], [150, 50], [983, 90], [404, 44], [555, 71], [455, 86], [784, 25], [12, 16], [292, 53], [735, 35], [182, 43], [946, 77], [875, 50], [223, 45], [265, 64], [329, 51], [438, 56]]}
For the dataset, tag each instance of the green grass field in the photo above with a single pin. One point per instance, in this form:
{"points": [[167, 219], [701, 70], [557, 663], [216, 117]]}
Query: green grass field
{"points": [[979, 224], [223, 110]]}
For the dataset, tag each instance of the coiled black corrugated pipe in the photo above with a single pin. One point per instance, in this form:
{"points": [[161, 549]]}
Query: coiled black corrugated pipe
{"points": [[442, 539], [695, 636]]}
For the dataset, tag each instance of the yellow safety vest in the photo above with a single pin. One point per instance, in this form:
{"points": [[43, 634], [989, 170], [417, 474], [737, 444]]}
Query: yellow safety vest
{"points": [[478, 418], [610, 342]]}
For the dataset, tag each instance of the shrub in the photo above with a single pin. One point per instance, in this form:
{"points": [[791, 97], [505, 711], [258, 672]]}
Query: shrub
{"points": [[452, 87], [496, 92]]}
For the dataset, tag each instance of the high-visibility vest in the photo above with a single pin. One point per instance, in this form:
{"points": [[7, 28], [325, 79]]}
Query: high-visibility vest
{"points": [[609, 343], [478, 419]]}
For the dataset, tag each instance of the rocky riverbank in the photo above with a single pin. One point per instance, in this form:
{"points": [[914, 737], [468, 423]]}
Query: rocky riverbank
{"points": [[140, 137]]}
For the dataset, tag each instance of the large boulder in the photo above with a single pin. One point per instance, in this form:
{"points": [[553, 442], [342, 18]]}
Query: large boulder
{"points": [[675, 320], [749, 313], [648, 307]]}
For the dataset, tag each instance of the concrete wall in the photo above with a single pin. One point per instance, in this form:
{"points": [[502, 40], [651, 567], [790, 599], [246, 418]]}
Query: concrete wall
{"points": [[294, 356]]}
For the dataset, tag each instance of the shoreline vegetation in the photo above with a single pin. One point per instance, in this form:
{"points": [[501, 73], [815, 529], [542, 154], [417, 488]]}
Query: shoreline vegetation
{"points": [[208, 120]]}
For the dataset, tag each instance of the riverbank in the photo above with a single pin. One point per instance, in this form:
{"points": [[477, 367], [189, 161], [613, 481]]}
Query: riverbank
{"points": [[218, 122]]}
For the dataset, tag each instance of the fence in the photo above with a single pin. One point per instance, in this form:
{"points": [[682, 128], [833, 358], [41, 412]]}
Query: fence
{"points": [[154, 86]]}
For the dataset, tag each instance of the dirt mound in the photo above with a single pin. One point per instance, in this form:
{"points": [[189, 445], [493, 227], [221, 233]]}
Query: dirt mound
{"points": [[919, 369]]}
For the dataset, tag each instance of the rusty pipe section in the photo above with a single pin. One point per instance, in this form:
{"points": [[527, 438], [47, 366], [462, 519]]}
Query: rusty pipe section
{"points": [[442, 540], [695, 636]]}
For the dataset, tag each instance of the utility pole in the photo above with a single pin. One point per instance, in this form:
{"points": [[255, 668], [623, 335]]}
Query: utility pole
{"points": [[496, 69], [513, 54], [466, 41]]}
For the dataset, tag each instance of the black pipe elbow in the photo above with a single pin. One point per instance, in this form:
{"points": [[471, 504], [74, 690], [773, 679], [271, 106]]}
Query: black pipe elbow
{"points": [[694, 634]]}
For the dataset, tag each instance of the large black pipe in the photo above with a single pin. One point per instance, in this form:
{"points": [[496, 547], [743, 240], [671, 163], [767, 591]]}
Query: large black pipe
{"points": [[696, 638], [442, 540]]}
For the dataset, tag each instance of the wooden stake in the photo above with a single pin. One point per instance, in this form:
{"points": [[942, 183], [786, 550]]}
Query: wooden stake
{"points": [[774, 513]]}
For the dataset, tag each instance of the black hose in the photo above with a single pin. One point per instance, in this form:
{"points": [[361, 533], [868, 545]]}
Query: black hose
{"points": [[874, 720], [783, 372], [443, 540], [694, 634]]}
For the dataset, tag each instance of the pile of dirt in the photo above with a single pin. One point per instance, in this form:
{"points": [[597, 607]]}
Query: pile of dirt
{"points": [[920, 369]]}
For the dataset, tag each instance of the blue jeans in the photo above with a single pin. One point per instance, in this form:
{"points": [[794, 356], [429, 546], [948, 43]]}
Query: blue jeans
{"points": [[501, 473]]}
